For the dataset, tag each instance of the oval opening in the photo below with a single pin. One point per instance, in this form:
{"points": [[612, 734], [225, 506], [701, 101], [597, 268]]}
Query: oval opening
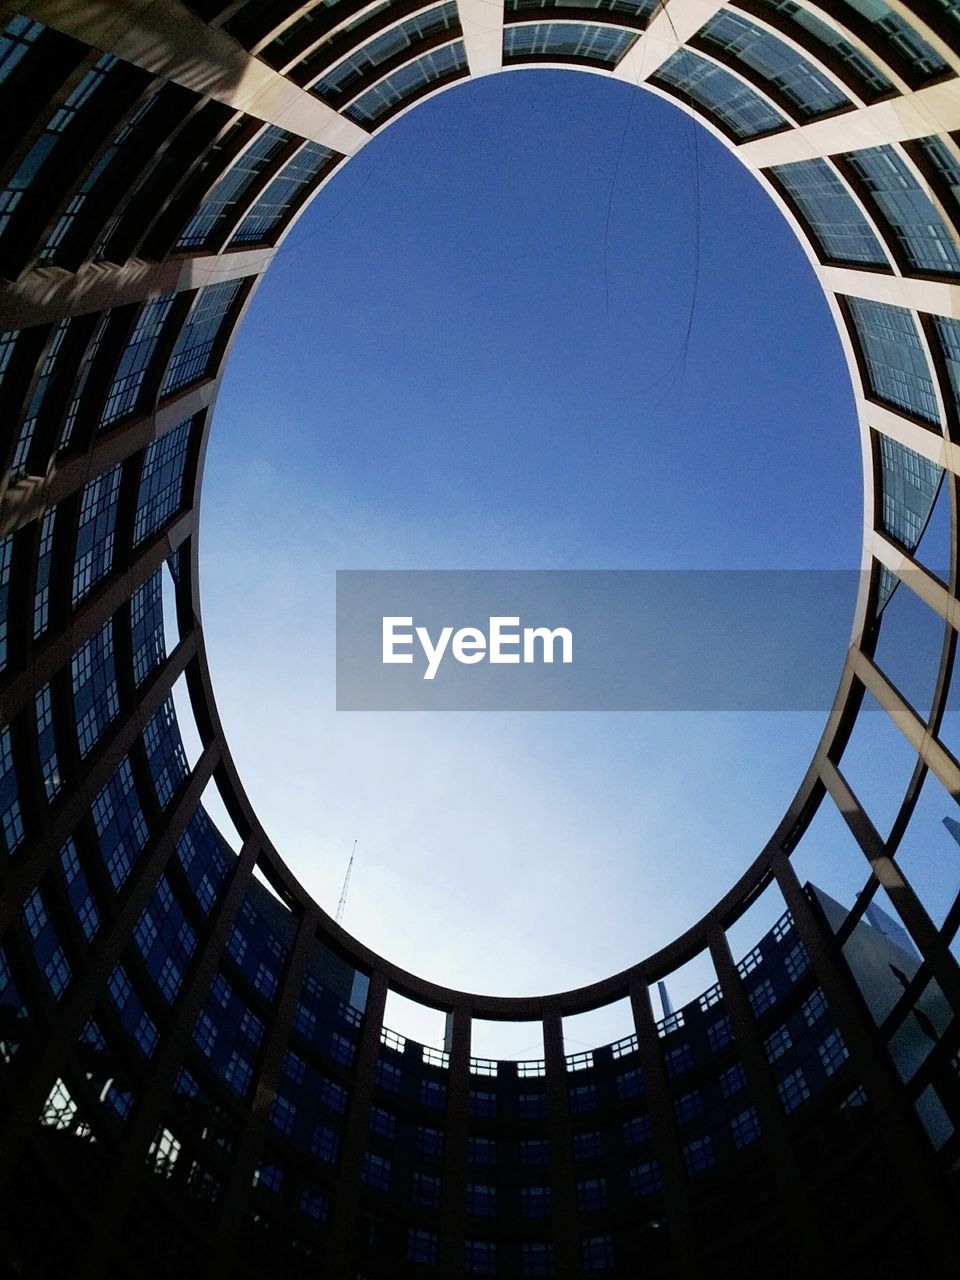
{"points": [[542, 321]]}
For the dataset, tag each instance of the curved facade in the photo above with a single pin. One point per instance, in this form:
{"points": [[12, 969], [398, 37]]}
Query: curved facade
{"points": [[195, 1079]]}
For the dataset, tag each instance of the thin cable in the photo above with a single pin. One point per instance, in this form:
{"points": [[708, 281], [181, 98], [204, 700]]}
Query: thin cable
{"points": [[613, 187], [374, 168], [680, 362]]}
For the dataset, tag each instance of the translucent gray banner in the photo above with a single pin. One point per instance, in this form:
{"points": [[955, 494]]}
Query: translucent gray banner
{"points": [[632, 640]]}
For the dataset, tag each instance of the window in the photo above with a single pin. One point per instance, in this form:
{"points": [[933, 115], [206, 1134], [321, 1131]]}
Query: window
{"points": [[587, 1146], [679, 1060], [293, 1067], [948, 339], [719, 1033], [332, 1095], [78, 890], [165, 940], [375, 1171], [645, 1179], [481, 1200], [36, 165], [777, 1044], [907, 210], [165, 754], [796, 962], [533, 1106], [283, 195], [269, 1177], [98, 513], [15, 39], [597, 1252], [784, 73], [536, 1202], [124, 395], [161, 481], [751, 961], [359, 65], [698, 1155], [637, 1130], [856, 1098], [388, 1076], [314, 1204], [538, 1259], [433, 1094], [341, 1049], [481, 1151], [6, 561], [65, 223], [407, 80], [120, 824], [591, 1194], [762, 997], [13, 830], [422, 1247], [426, 1190], [838, 227], [383, 1123], [96, 697], [732, 1080], [20, 466], [814, 1007], [567, 40], [482, 1103], [908, 484], [833, 1052], [902, 42], [535, 1152], [429, 1141], [629, 1084], [688, 1107], [583, 1097], [284, 1114], [228, 195], [195, 346], [41, 599], [480, 1258], [146, 626], [737, 108], [745, 1128], [324, 1143], [896, 367], [793, 1090]]}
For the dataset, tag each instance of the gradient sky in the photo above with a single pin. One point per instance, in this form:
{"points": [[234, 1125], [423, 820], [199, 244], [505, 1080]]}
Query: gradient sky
{"points": [[472, 354]]}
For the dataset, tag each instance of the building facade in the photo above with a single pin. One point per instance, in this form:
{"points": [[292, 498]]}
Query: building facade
{"points": [[195, 1078]]}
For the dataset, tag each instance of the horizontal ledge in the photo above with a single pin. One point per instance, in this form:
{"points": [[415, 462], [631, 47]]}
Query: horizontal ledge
{"points": [[49, 294], [168, 39], [937, 297], [935, 109]]}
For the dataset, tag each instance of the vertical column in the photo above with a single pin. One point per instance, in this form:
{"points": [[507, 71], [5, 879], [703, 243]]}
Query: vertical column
{"points": [[561, 1148], [805, 1236], [347, 1203], [665, 1139], [454, 1187], [229, 1232], [146, 1118], [87, 990]]}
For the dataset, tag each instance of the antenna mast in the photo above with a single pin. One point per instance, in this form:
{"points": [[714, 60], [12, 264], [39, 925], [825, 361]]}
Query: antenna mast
{"points": [[341, 905]]}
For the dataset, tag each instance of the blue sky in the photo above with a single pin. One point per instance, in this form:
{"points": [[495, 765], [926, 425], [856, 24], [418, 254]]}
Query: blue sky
{"points": [[472, 354]]}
